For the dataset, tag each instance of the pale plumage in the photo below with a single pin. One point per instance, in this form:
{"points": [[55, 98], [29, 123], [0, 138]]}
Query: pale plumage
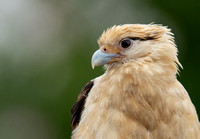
{"points": [[138, 96]]}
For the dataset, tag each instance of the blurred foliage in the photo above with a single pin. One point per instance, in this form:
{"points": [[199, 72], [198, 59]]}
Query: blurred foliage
{"points": [[45, 52]]}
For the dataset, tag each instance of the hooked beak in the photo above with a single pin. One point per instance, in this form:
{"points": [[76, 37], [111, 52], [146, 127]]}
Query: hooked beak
{"points": [[100, 58]]}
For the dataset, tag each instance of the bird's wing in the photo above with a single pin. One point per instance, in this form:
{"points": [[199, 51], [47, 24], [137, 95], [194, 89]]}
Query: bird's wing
{"points": [[78, 107]]}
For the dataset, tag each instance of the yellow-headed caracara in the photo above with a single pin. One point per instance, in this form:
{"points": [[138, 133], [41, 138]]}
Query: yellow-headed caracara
{"points": [[138, 96]]}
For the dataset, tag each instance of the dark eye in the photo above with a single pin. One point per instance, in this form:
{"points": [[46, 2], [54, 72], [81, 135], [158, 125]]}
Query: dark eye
{"points": [[126, 43]]}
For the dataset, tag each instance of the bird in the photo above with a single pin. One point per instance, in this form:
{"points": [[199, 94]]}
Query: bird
{"points": [[138, 96]]}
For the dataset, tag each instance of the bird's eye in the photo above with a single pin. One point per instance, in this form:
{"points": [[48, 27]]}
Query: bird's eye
{"points": [[126, 43]]}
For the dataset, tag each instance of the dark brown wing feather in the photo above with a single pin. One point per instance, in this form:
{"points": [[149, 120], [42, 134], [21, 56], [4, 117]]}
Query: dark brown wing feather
{"points": [[78, 107]]}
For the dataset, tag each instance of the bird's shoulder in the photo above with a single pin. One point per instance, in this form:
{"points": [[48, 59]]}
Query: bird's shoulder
{"points": [[78, 107]]}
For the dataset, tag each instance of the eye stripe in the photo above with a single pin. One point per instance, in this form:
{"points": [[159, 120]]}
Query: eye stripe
{"points": [[142, 39]]}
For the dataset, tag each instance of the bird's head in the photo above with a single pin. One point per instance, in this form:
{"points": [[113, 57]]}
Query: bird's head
{"points": [[135, 42]]}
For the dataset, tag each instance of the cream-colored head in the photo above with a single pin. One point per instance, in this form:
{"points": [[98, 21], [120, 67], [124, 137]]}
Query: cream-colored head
{"points": [[136, 42]]}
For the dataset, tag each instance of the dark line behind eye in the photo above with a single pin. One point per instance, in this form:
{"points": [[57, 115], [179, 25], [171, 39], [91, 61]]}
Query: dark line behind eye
{"points": [[142, 39]]}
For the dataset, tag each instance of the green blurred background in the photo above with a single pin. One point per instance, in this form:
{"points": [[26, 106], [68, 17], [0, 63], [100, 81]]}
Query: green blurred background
{"points": [[45, 52]]}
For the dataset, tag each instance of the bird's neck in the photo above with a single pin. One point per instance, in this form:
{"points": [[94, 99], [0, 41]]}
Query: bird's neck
{"points": [[142, 72]]}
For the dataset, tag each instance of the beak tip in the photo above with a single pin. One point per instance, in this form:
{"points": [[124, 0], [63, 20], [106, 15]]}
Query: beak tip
{"points": [[93, 66]]}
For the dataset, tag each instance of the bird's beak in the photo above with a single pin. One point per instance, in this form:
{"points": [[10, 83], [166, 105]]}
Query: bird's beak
{"points": [[100, 58]]}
